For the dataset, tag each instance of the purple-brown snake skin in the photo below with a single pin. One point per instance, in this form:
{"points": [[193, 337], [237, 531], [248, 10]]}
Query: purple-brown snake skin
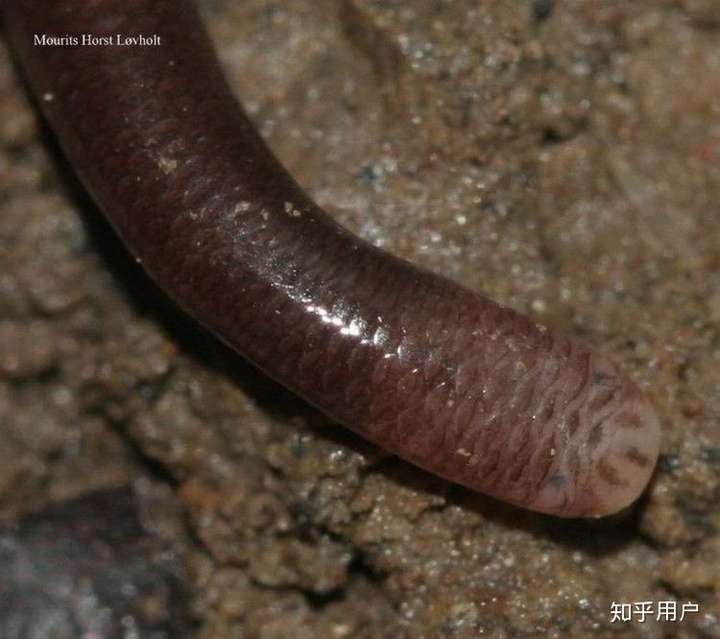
{"points": [[438, 374]]}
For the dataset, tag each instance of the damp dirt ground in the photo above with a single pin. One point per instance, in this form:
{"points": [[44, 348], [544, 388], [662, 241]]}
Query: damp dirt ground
{"points": [[563, 157]]}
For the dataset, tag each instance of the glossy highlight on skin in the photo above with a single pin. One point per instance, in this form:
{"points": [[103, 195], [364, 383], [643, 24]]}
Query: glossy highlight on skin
{"points": [[436, 373]]}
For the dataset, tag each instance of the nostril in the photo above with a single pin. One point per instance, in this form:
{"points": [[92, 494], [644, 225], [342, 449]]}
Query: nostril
{"points": [[636, 457]]}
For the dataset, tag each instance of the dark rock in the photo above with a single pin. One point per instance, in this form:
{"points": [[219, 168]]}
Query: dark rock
{"points": [[87, 568]]}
